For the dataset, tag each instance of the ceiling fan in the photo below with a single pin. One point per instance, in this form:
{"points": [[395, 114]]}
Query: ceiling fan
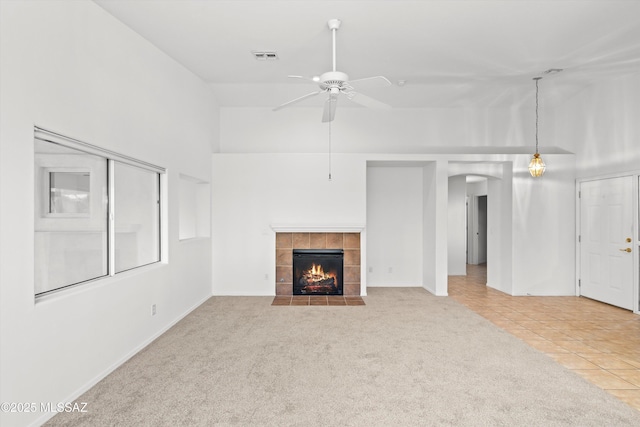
{"points": [[334, 83]]}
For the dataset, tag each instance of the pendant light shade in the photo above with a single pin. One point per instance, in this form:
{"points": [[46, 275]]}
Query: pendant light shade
{"points": [[536, 166]]}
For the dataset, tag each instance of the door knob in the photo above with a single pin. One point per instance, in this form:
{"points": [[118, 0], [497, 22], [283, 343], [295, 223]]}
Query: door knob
{"points": [[626, 250], [628, 239]]}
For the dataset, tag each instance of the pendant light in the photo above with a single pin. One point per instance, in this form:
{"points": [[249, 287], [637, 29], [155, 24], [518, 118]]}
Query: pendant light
{"points": [[536, 166]]}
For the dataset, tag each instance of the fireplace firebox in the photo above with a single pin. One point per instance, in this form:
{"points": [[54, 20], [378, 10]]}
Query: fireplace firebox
{"points": [[317, 271]]}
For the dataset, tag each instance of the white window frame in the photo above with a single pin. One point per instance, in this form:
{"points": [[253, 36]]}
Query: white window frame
{"points": [[111, 157]]}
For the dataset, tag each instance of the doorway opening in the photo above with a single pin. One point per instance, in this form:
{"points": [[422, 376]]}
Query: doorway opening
{"points": [[477, 229]]}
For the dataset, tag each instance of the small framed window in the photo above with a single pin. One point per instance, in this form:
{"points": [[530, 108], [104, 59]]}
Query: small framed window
{"points": [[68, 192]]}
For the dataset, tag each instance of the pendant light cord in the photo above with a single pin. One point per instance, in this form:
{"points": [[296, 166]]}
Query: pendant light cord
{"points": [[537, 79]]}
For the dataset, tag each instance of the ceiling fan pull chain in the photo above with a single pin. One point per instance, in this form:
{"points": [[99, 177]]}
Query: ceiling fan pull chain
{"points": [[330, 142]]}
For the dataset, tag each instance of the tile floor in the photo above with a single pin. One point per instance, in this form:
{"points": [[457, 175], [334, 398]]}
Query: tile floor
{"points": [[317, 300], [595, 340]]}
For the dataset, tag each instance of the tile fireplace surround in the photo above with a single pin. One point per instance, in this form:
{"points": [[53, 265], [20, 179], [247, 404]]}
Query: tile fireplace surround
{"points": [[287, 242]]}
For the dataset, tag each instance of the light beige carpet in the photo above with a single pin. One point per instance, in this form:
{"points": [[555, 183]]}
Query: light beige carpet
{"points": [[405, 358]]}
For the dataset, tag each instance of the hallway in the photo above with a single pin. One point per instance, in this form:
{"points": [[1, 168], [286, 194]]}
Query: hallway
{"points": [[597, 341]]}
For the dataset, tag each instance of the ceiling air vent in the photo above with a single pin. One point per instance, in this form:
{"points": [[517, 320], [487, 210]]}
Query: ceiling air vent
{"points": [[265, 55]]}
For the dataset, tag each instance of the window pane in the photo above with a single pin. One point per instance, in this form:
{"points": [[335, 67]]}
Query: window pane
{"points": [[70, 217], [137, 217]]}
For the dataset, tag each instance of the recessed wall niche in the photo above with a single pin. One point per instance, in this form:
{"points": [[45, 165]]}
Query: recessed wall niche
{"points": [[195, 208], [287, 242]]}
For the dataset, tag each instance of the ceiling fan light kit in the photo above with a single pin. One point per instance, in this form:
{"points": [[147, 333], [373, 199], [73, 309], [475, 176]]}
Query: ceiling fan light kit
{"points": [[334, 83]]}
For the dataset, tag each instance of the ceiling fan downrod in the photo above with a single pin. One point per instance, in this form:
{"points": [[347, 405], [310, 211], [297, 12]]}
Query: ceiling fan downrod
{"points": [[334, 25], [333, 80]]}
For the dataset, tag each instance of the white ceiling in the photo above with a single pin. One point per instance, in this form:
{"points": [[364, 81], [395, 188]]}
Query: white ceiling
{"points": [[452, 53]]}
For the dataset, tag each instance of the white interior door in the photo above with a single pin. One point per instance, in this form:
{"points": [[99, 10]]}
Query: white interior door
{"points": [[472, 256], [477, 230], [481, 232], [606, 236]]}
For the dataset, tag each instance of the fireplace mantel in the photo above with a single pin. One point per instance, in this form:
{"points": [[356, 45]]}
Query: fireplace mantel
{"points": [[310, 228]]}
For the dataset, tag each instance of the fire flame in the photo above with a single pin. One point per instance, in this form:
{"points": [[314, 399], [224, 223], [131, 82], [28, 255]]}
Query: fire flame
{"points": [[317, 270], [317, 273]]}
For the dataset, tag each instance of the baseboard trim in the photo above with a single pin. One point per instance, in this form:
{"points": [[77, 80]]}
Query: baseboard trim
{"points": [[46, 417]]}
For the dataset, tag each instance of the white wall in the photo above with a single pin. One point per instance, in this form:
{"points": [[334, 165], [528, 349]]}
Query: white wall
{"points": [[457, 226], [195, 208], [478, 188], [600, 124], [362, 130], [425, 138], [543, 228], [394, 226], [435, 225], [188, 212], [253, 192], [70, 67], [500, 254]]}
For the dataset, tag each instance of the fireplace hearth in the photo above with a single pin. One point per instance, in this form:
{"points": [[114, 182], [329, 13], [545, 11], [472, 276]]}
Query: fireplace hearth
{"points": [[318, 271]]}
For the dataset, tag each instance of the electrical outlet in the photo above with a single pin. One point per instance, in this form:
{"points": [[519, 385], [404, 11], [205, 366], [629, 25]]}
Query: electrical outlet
{"points": [[266, 277], [370, 269], [390, 269], [153, 310]]}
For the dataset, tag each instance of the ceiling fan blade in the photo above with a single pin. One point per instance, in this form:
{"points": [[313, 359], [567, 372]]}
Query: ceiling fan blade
{"points": [[376, 81], [314, 79], [329, 112], [367, 101], [293, 101]]}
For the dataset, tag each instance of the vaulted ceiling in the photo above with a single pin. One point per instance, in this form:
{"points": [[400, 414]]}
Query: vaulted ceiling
{"points": [[449, 53]]}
